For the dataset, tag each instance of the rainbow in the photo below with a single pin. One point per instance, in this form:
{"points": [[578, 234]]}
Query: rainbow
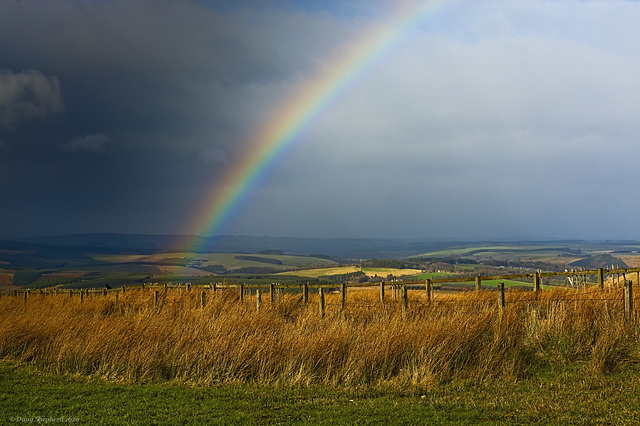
{"points": [[271, 141]]}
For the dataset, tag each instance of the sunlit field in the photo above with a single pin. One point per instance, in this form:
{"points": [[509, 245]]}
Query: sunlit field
{"points": [[465, 336], [371, 272]]}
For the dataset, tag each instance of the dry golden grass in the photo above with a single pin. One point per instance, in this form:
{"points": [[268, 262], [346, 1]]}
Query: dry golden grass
{"points": [[455, 337]]}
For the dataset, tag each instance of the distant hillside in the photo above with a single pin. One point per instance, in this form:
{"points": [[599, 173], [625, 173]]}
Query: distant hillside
{"points": [[110, 243], [59, 248], [350, 248], [599, 261]]}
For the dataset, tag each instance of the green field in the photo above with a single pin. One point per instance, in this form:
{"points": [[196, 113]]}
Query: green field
{"points": [[567, 396], [433, 275], [485, 283], [507, 283]]}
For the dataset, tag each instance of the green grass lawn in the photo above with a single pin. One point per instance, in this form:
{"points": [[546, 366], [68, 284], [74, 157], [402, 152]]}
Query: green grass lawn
{"points": [[571, 396], [485, 283], [507, 283]]}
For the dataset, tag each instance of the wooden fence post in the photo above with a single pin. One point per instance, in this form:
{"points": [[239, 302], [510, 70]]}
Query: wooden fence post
{"points": [[25, 296], [70, 293], [116, 298], [81, 295], [155, 298], [601, 278], [258, 299], [202, 299], [405, 299], [272, 296], [123, 289], [382, 292], [501, 296], [536, 281], [321, 300], [343, 294], [104, 292], [429, 289], [628, 300], [478, 283], [305, 293], [579, 277], [241, 290]]}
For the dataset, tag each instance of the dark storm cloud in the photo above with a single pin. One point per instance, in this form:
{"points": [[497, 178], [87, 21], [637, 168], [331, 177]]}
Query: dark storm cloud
{"points": [[86, 143], [28, 95], [160, 93], [142, 65]]}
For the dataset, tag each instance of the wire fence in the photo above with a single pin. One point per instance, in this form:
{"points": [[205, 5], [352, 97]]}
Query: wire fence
{"points": [[613, 290]]}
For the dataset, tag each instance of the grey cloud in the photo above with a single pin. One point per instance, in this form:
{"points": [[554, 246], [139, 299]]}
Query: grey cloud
{"points": [[213, 156], [86, 143], [495, 135], [28, 95]]}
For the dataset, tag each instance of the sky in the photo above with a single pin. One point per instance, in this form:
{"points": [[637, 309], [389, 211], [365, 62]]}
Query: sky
{"points": [[480, 120]]}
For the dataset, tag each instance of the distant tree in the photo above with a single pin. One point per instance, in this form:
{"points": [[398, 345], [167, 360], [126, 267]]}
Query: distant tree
{"points": [[441, 266], [271, 251], [321, 256]]}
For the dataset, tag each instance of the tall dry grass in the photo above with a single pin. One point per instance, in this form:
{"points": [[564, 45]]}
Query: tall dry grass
{"points": [[288, 343]]}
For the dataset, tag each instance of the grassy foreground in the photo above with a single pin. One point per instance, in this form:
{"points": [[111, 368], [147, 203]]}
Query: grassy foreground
{"points": [[568, 397], [557, 356], [287, 343]]}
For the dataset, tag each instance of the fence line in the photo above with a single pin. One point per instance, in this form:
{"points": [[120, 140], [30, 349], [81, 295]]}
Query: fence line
{"points": [[399, 290], [613, 274]]}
